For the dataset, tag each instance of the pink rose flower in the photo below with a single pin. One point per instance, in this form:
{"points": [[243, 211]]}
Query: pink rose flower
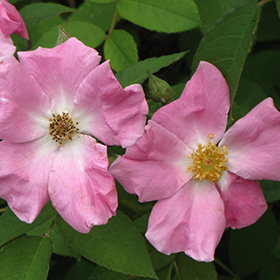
{"points": [[51, 104], [10, 22], [205, 179]]}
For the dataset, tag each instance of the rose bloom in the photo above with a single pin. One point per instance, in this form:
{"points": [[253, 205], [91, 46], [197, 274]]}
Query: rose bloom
{"points": [[51, 104], [205, 179], [10, 22]]}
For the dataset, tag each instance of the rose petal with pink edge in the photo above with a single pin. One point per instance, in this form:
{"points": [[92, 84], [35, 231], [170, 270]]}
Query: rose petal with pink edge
{"points": [[192, 221], [155, 167], [24, 108], [253, 143], [11, 21], [243, 199], [116, 116], [60, 70], [201, 110], [24, 173], [81, 189]]}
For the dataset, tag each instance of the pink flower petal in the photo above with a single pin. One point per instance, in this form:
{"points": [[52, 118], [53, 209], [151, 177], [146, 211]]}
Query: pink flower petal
{"points": [[117, 116], [24, 173], [243, 199], [81, 189], [60, 70], [155, 167], [253, 143], [201, 110], [192, 221], [6, 45], [11, 21], [24, 108]]}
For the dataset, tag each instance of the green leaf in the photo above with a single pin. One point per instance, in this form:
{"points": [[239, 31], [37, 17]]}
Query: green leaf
{"points": [[212, 10], [193, 270], [161, 15], [278, 7], [26, 258], [165, 273], [37, 31], [121, 49], [91, 35], [268, 29], [60, 246], [37, 12], [102, 1], [118, 245], [137, 73], [95, 13], [81, 270], [271, 190], [251, 246], [101, 273], [11, 226], [228, 42]]}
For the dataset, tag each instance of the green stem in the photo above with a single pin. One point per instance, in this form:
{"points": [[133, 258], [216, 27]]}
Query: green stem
{"points": [[113, 22], [50, 229], [4, 209], [226, 269], [261, 3], [72, 4]]}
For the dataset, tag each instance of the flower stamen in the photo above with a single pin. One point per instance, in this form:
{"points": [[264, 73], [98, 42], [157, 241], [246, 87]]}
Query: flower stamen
{"points": [[62, 128], [209, 162]]}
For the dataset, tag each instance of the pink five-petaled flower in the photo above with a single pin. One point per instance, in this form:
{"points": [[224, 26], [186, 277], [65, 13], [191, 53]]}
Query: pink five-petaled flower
{"points": [[202, 188], [10, 22], [50, 105]]}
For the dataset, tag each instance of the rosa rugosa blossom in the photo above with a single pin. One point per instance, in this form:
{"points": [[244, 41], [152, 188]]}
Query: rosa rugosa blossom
{"points": [[51, 104], [205, 179], [10, 22]]}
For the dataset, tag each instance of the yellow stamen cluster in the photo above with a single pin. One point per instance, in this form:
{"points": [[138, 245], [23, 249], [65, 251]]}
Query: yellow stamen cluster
{"points": [[209, 162], [62, 128]]}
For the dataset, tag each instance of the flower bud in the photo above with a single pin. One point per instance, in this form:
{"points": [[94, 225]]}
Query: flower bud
{"points": [[160, 90]]}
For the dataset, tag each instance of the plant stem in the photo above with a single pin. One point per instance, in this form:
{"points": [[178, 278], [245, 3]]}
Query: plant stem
{"points": [[49, 230], [226, 269], [4, 209], [113, 22], [261, 3], [72, 4]]}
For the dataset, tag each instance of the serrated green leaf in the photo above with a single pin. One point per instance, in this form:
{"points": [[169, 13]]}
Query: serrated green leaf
{"points": [[228, 42], [212, 10], [37, 12], [193, 270], [95, 13], [11, 226], [26, 258], [250, 247], [137, 73], [118, 245], [91, 35], [121, 49], [161, 15], [101, 273]]}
